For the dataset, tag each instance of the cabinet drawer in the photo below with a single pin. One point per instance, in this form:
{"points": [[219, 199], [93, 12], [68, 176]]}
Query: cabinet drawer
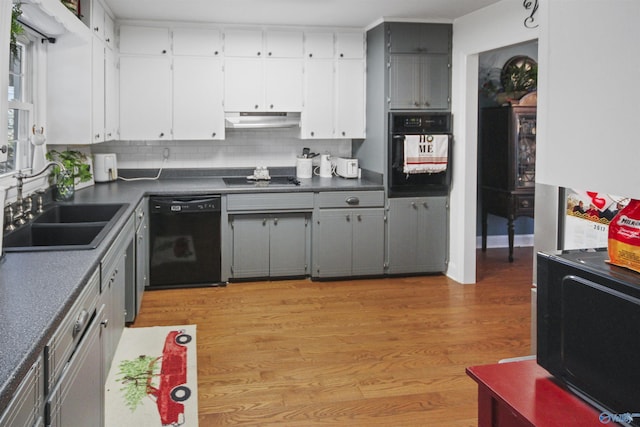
{"points": [[269, 201], [350, 199], [523, 204], [64, 340]]}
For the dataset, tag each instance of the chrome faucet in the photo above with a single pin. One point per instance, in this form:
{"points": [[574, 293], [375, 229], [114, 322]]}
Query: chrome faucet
{"points": [[19, 215]]}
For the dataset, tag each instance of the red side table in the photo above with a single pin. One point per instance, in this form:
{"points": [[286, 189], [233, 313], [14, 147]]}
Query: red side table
{"points": [[522, 394]]}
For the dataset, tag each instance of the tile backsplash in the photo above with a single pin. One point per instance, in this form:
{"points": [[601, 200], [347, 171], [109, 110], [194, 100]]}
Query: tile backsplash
{"points": [[241, 148]]}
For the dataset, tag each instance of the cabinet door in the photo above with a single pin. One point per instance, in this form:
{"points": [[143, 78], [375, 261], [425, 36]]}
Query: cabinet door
{"points": [[403, 235], [419, 38], [432, 232], [368, 242], [317, 114], [144, 40], [111, 97], [243, 84], [197, 98], [350, 99], [145, 98], [109, 31], [283, 85], [318, 45], [97, 19], [434, 81], [243, 43], [288, 245], [197, 42], [350, 45], [283, 44], [404, 77], [334, 246], [250, 246], [77, 400], [98, 91]]}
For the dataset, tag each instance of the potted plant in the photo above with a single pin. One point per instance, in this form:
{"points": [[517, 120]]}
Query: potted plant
{"points": [[77, 170], [519, 76]]}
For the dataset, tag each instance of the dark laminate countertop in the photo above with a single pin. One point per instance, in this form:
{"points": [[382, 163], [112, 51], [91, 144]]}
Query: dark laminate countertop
{"points": [[38, 288]]}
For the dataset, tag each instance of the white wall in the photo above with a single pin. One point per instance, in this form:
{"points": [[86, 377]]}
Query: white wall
{"points": [[499, 25], [591, 59]]}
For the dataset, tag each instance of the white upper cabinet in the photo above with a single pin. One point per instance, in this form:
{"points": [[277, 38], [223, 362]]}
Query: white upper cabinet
{"points": [[283, 44], [197, 98], [145, 98], [334, 86], [197, 42], [318, 45], [136, 40], [243, 42], [350, 45], [263, 70]]}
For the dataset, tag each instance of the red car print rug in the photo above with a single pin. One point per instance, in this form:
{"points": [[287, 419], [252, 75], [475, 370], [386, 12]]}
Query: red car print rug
{"points": [[153, 379]]}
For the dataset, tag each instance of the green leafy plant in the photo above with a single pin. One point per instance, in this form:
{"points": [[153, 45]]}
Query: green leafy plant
{"points": [[73, 161], [520, 77], [16, 28]]}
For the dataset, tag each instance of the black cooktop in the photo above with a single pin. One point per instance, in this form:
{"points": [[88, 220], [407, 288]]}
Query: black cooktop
{"points": [[242, 181]]}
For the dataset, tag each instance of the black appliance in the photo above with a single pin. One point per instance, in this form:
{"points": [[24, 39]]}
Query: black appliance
{"points": [[184, 241], [401, 184], [588, 324]]}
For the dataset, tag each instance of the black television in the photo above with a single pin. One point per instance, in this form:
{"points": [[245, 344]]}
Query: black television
{"points": [[588, 330]]}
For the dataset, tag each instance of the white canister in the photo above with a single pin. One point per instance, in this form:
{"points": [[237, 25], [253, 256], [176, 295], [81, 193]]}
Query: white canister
{"points": [[304, 167]]}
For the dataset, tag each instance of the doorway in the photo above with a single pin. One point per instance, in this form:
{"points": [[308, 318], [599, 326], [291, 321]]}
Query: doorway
{"points": [[491, 96]]}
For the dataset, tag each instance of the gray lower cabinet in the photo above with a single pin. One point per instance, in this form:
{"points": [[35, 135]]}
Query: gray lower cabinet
{"points": [[269, 245], [135, 290], [348, 234], [26, 406], [78, 398], [116, 275], [349, 242], [417, 235]]}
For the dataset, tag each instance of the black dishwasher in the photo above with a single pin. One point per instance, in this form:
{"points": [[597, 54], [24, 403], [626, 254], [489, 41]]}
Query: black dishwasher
{"points": [[184, 241]]}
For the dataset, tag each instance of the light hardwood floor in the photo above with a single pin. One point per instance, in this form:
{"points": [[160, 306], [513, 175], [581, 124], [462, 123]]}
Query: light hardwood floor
{"points": [[383, 352]]}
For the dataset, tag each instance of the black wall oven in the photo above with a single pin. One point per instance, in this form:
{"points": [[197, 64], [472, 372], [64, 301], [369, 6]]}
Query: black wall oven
{"points": [[184, 239], [406, 177]]}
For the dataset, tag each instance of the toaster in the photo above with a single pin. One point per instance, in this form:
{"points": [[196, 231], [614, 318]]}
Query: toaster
{"points": [[347, 168]]}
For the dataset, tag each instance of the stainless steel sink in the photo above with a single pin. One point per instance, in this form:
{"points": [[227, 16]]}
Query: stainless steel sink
{"points": [[65, 227]]}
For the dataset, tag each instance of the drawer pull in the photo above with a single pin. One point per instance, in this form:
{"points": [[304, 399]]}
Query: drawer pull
{"points": [[353, 200], [524, 203], [80, 323]]}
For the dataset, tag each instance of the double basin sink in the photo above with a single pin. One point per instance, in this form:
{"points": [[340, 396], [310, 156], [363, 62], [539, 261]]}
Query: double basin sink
{"points": [[65, 227]]}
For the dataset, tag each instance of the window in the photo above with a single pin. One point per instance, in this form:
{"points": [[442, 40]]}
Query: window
{"points": [[20, 113]]}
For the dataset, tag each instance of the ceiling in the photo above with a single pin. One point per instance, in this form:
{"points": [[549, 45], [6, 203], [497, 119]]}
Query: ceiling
{"points": [[335, 13]]}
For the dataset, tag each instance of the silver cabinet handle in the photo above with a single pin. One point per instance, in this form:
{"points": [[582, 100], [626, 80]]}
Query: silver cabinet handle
{"points": [[275, 221], [348, 218], [359, 217], [80, 322], [353, 200]]}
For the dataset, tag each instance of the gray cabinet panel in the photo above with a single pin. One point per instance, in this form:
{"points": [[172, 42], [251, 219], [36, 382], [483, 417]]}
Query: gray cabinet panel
{"points": [[349, 242], [419, 82], [368, 242], [287, 245], [250, 246], [334, 234], [269, 245], [269, 201], [419, 38], [26, 406], [350, 199], [417, 235]]}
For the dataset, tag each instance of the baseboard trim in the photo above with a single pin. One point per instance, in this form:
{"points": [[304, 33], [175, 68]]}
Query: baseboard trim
{"points": [[503, 241]]}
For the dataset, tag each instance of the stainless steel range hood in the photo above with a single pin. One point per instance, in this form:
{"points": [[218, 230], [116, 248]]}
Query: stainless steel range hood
{"points": [[261, 120]]}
